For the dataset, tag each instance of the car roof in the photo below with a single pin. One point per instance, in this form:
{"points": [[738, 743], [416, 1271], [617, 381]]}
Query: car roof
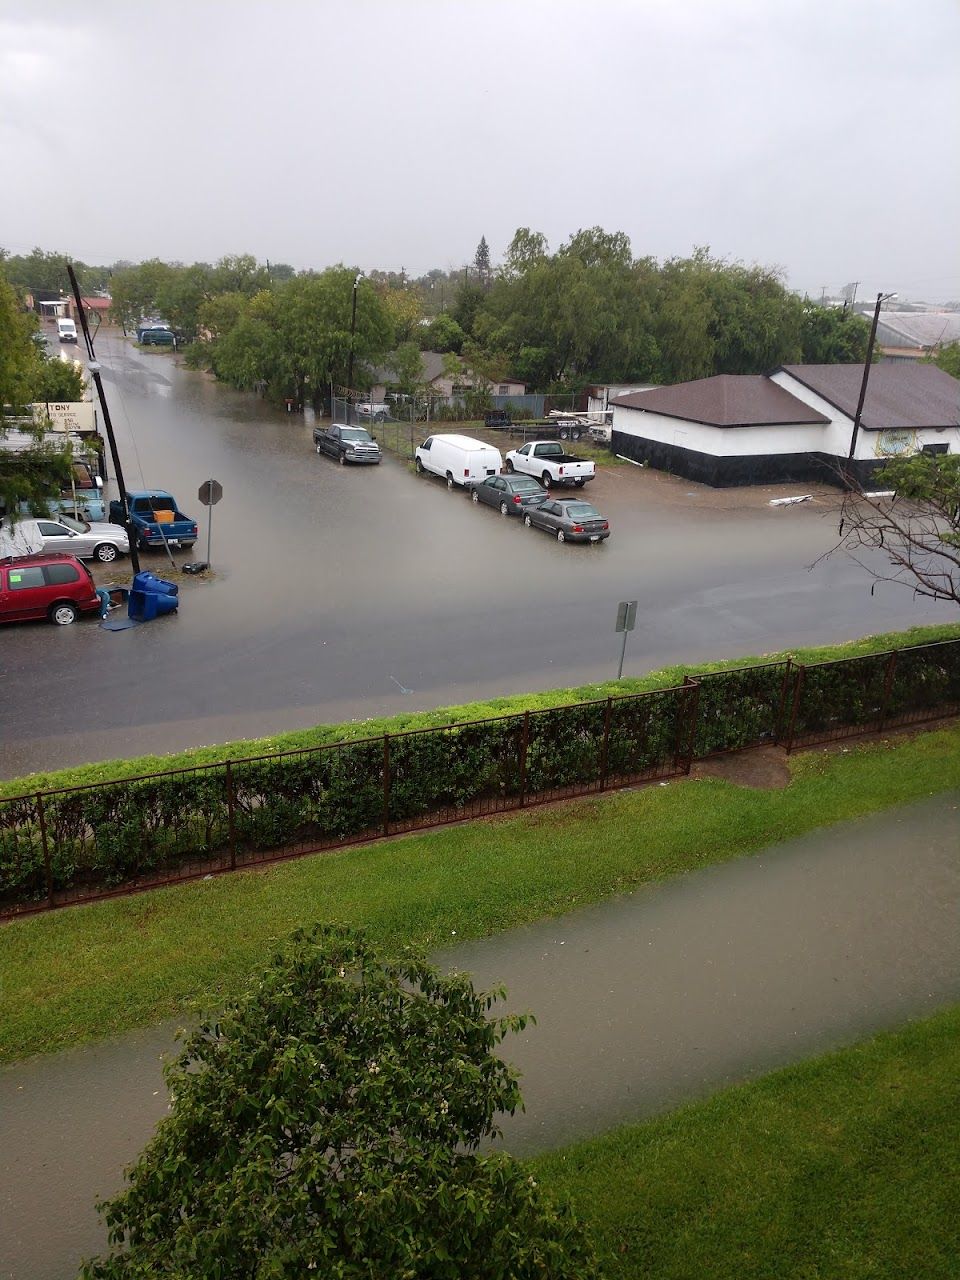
{"points": [[38, 557]]}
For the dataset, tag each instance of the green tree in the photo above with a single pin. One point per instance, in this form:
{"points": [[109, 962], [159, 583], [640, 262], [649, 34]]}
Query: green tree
{"points": [[58, 380], [833, 335], [135, 291], [407, 363], [481, 263], [443, 334], [181, 296], [948, 359], [20, 358], [239, 273], [469, 300], [917, 532], [329, 1121]]}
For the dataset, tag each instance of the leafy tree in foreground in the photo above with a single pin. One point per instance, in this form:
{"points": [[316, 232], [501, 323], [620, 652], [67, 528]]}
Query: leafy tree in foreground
{"points": [[328, 1121], [918, 531]]}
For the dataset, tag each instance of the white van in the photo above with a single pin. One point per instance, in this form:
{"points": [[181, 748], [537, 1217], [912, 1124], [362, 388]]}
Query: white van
{"points": [[459, 459], [66, 331]]}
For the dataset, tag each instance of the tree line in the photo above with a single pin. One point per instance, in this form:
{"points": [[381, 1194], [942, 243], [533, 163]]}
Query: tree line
{"points": [[588, 312]]}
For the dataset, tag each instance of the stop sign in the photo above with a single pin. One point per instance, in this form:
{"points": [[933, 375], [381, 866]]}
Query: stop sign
{"points": [[211, 491]]}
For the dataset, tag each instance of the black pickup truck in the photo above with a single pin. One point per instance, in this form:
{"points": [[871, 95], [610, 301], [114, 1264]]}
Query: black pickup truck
{"points": [[346, 444]]}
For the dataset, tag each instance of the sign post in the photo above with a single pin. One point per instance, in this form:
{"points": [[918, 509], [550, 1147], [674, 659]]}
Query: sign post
{"points": [[626, 620], [211, 491]]}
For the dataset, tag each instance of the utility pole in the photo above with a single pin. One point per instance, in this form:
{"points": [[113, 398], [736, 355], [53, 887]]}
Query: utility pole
{"points": [[881, 297], [353, 329], [107, 423]]}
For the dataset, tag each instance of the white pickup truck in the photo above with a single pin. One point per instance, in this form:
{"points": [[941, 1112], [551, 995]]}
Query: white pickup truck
{"points": [[546, 460]]}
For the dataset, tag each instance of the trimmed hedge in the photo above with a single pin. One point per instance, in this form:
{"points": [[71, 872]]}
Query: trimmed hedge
{"points": [[66, 844]]}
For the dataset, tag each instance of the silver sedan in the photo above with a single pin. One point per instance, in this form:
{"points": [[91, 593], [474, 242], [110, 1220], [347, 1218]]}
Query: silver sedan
{"points": [[86, 541]]}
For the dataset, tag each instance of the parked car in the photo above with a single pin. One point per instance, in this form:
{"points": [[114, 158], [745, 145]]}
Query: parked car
{"points": [[56, 587], [547, 460], [512, 494], [570, 519], [461, 460], [346, 444], [86, 541], [376, 412]]}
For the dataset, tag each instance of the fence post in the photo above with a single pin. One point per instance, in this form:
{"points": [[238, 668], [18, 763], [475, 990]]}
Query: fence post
{"points": [[386, 784], [781, 712], [887, 687], [687, 720], [231, 818], [46, 849], [797, 692], [604, 750], [524, 741]]}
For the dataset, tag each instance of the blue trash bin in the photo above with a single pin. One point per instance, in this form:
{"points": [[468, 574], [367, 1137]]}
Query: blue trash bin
{"points": [[150, 582]]}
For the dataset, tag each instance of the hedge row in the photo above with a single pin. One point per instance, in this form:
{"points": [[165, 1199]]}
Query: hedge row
{"points": [[64, 844]]}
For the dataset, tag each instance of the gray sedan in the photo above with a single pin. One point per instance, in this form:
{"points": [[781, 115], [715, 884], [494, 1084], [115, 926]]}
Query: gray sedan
{"points": [[570, 519], [511, 494], [103, 542]]}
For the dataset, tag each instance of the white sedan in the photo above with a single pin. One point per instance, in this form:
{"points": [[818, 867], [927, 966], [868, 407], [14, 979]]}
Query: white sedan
{"points": [[80, 538]]}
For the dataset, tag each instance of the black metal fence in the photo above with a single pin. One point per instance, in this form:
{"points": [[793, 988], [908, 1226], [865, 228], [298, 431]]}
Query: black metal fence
{"points": [[92, 841]]}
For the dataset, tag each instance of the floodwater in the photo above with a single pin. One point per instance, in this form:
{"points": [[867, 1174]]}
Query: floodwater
{"points": [[343, 593], [642, 1002]]}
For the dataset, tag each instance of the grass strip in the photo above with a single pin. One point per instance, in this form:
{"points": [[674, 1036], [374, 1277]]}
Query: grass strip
{"points": [[847, 1165], [80, 973], [320, 735]]}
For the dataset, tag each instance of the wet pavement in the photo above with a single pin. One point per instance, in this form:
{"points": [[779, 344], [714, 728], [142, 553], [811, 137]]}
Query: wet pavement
{"points": [[642, 1002], [345, 593]]}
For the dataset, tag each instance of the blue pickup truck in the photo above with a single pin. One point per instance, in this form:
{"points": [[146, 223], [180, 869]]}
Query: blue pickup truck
{"points": [[156, 519]]}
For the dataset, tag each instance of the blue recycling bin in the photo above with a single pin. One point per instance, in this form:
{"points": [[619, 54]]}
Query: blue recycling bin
{"points": [[150, 582], [151, 597]]}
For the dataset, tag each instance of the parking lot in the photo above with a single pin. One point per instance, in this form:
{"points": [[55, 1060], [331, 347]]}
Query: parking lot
{"points": [[344, 593]]}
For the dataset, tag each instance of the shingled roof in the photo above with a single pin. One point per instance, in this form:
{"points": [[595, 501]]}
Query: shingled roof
{"points": [[899, 395], [726, 400]]}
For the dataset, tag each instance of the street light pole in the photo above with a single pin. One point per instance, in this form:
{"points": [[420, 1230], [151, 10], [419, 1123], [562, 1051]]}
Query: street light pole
{"points": [[881, 298], [353, 329], [108, 425]]}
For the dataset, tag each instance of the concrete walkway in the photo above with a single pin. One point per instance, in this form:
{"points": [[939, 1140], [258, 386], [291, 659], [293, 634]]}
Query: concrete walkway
{"points": [[642, 1002]]}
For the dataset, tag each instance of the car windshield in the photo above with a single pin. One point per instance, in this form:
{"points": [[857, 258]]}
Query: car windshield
{"points": [[582, 511], [355, 433], [78, 526]]}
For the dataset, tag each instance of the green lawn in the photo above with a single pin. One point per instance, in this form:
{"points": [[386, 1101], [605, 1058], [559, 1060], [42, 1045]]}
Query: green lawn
{"points": [[84, 972], [846, 1166]]}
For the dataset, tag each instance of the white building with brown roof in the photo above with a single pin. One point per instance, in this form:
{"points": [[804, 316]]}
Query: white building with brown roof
{"points": [[793, 425]]}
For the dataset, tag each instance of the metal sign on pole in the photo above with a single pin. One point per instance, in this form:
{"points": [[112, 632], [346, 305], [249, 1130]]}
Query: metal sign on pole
{"points": [[211, 491], [626, 620]]}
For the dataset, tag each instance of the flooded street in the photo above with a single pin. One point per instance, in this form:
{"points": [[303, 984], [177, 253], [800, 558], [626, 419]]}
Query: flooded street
{"points": [[345, 593], [642, 1002]]}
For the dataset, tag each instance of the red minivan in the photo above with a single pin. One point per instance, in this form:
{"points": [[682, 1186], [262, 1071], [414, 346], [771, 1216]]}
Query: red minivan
{"points": [[55, 587]]}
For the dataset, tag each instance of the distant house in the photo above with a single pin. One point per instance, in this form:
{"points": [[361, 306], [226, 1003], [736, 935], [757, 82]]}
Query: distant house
{"points": [[794, 425], [99, 306], [433, 376], [911, 335]]}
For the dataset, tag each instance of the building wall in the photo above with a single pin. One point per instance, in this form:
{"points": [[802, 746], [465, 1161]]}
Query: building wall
{"points": [[738, 442]]}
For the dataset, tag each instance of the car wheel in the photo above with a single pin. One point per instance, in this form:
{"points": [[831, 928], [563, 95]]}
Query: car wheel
{"points": [[527, 521], [504, 509], [509, 467], [185, 546], [561, 536], [319, 450], [575, 433], [474, 497], [449, 480], [419, 467], [106, 553], [546, 480], [63, 613], [343, 460], [563, 433]]}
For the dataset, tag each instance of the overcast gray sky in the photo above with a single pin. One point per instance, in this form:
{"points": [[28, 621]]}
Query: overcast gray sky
{"points": [[822, 136]]}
